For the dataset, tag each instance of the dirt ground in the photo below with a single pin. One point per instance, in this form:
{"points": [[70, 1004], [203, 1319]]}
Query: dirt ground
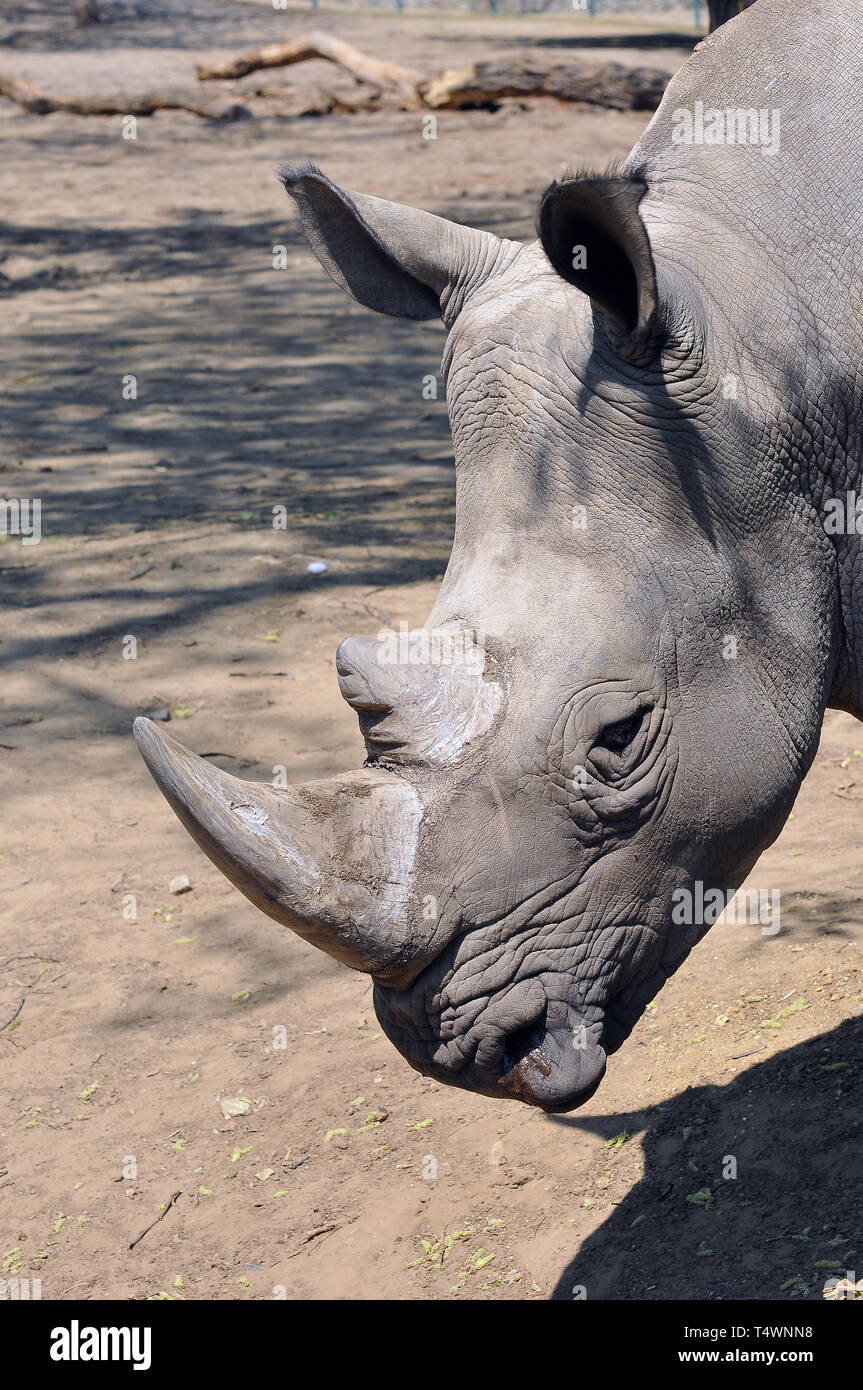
{"points": [[259, 387]]}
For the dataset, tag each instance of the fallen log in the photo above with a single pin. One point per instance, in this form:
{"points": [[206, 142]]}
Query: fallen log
{"points": [[281, 55], [599, 84], [42, 103]]}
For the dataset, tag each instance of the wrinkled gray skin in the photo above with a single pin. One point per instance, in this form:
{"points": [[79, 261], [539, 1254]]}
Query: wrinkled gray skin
{"points": [[551, 895]]}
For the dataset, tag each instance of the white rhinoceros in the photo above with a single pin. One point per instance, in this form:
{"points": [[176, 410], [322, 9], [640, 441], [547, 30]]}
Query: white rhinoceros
{"points": [[656, 416]]}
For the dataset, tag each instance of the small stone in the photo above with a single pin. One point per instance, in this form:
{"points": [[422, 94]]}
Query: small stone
{"points": [[497, 1157], [181, 884], [316, 567], [161, 714], [232, 1106]]}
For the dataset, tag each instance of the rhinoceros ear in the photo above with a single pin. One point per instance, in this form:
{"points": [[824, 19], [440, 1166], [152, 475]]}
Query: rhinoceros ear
{"points": [[391, 258], [594, 236]]}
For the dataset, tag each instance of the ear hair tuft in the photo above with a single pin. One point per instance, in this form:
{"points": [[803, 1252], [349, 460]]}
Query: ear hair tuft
{"points": [[292, 174]]}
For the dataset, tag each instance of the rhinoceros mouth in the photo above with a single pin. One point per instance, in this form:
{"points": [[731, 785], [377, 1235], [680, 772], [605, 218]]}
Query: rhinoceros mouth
{"points": [[541, 1038], [528, 1044], [547, 1072], [534, 1084], [552, 1073]]}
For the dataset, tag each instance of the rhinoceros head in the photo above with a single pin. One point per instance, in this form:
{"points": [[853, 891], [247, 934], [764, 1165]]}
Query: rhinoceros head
{"points": [[599, 715]]}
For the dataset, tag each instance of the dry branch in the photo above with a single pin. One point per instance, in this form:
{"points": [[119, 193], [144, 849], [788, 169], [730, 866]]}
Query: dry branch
{"points": [[323, 103], [41, 103], [162, 1214], [600, 84], [14, 1016], [344, 55]]}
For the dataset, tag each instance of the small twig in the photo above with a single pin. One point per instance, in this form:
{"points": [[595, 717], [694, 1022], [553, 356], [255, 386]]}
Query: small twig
{"points": [[14, 1016], [231, 1079], [314, 1235], [843, 791], [162, 1214], [82, 1283], [10, 959]]}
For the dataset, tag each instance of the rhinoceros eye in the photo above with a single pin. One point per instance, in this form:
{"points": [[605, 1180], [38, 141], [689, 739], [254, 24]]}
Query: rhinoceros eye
{"points": [[617, 737]]}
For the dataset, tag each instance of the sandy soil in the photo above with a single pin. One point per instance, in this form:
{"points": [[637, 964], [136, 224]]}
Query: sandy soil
{"points": [[256, 388]]}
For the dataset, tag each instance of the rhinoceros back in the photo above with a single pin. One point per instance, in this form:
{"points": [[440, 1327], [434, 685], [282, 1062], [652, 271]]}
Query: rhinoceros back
{"points": [[772, 225]]}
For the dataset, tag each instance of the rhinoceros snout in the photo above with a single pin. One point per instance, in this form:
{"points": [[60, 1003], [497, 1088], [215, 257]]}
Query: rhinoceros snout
{"points": [[420, 696]]}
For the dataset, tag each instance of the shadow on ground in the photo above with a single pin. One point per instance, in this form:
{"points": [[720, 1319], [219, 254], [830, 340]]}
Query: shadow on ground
{"points": [[750, 1191], [254, 388]]}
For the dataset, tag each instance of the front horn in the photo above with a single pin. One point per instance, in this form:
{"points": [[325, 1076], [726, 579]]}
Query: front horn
{"points": [[332, 860]]}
